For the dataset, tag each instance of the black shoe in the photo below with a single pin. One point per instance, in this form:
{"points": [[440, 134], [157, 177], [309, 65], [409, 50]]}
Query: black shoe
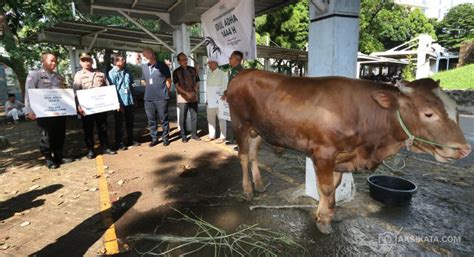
{"points": [[65, 160], [153, 143], [121, 147], [195, 137], [51, 165], [184, 139], [133, 144], [90, 154], [166, 142], [108, 151]]}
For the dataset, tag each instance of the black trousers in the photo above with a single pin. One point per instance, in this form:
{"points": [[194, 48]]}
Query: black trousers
{"points": [[128, 114], [183, 113], [52, 134], [230, 132], [157, 111], [100, 119]]}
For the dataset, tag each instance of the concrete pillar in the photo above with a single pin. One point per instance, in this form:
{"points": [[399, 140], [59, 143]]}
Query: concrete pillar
{"points": [[73, 60], [422, 62], [203, 70], [266, 64], [333, 44]]}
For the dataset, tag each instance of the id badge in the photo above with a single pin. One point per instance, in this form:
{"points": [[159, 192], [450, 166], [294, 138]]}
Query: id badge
{"points": [[151, 81]]}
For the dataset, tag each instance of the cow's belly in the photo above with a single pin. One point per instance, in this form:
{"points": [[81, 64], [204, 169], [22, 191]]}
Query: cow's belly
{"points": [[360, 158], [357, 164]]}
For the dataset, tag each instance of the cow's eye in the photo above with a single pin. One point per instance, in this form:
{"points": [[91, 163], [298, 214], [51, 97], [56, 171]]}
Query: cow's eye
{"points": [[429, 115]]}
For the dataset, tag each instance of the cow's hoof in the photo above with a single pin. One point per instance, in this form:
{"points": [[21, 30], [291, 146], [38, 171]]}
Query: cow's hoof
{"points": [[248, 196], [325, 228], [260, 188], [337, 217]]}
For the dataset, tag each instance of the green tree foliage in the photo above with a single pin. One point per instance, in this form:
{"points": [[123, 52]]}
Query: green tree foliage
{"points": [[384, 25], [287, 27], [457, 26], [24, 18]]}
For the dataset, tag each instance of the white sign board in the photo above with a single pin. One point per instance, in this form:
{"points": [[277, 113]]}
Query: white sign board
{"points": [[223, 111], [99, 99], [214, 95], [229, 26], [52, 102]]}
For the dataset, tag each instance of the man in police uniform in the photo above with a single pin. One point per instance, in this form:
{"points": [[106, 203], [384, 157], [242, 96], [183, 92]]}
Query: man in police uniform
{"points": [[52, 129], [85, 79]]}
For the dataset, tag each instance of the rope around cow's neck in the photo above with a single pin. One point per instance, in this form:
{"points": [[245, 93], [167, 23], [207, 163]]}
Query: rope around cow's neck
{"points": [[412, 138]]}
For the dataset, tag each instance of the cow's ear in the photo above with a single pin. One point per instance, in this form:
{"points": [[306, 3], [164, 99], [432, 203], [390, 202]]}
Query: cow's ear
{"points": [[387, 100], [438, 82]]}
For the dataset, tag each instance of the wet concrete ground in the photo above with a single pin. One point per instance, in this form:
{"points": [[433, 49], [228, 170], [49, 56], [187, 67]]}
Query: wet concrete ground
{"points": [[438, 222]]}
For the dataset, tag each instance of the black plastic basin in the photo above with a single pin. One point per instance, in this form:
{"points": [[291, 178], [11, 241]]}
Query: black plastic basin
{"points": [[391, 190]]}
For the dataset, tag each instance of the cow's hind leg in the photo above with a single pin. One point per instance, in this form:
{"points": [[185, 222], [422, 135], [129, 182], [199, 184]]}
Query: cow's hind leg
{"points": [[326, 189], [242, 135], [254, 146]]}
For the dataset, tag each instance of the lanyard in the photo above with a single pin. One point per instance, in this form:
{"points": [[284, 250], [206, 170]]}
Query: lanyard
{"points": [[121, 77], [151, 69]]}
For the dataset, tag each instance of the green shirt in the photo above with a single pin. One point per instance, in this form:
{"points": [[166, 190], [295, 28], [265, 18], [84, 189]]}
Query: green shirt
{"points": [[234, 71]]}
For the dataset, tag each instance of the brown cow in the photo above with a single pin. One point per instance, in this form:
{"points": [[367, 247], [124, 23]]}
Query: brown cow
{"points": [[342, 124]]}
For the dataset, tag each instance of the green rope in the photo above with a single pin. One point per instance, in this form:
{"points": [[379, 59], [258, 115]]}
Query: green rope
{"points": [[412, 137]]}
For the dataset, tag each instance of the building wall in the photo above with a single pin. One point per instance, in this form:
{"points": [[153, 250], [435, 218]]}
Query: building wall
{"points": [[433, 8]]}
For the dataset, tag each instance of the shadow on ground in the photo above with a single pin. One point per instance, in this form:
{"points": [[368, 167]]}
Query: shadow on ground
{"points": [[78, 241], [211, 188], [25, 201]]}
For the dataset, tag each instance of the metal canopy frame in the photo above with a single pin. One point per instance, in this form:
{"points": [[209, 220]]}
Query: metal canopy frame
{"points": [[88, 35], [173, 13]]}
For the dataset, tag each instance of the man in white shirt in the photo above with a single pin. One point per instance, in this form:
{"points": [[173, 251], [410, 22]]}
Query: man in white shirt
{"points": [[216, 84], [14, 108]]}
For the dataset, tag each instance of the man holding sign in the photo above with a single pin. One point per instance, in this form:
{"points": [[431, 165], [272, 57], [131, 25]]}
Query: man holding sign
{"points": [[87, 79], [52, 129]]}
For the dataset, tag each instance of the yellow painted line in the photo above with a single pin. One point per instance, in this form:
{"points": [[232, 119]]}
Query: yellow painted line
{"points": [[110, 237]]}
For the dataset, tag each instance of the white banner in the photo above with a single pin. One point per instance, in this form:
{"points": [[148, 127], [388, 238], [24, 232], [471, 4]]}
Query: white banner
{"points": [[213, 95], [99, 99], [52, 102], [229, 26], [224, 111]]}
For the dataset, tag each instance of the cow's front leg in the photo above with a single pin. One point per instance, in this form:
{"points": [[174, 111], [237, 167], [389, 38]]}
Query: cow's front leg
{"points": [[337, 181], [326, 189], [246, 183], [254, 146], [242, 136]]}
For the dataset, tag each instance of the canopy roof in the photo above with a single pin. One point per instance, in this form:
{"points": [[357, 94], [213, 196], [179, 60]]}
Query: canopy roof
{"points": [[91, 35], [173, 12]]}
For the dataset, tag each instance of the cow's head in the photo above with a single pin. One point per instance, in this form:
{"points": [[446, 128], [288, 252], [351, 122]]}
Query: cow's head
{"points": [[428, 113]]}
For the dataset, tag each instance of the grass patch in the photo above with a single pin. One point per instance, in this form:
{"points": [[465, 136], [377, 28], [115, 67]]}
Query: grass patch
{"points": [[457, 79], [248, 241]]}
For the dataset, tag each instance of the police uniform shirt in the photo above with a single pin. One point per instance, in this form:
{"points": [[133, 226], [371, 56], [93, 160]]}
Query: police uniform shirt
{"points": [[41, 79], [85, 79]]}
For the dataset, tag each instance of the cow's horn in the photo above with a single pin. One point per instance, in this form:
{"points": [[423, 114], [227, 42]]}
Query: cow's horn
{"points": [[401, 84]]}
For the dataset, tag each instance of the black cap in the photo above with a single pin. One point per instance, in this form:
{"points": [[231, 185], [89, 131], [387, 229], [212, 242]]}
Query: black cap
{"points": [[85, 55]]}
